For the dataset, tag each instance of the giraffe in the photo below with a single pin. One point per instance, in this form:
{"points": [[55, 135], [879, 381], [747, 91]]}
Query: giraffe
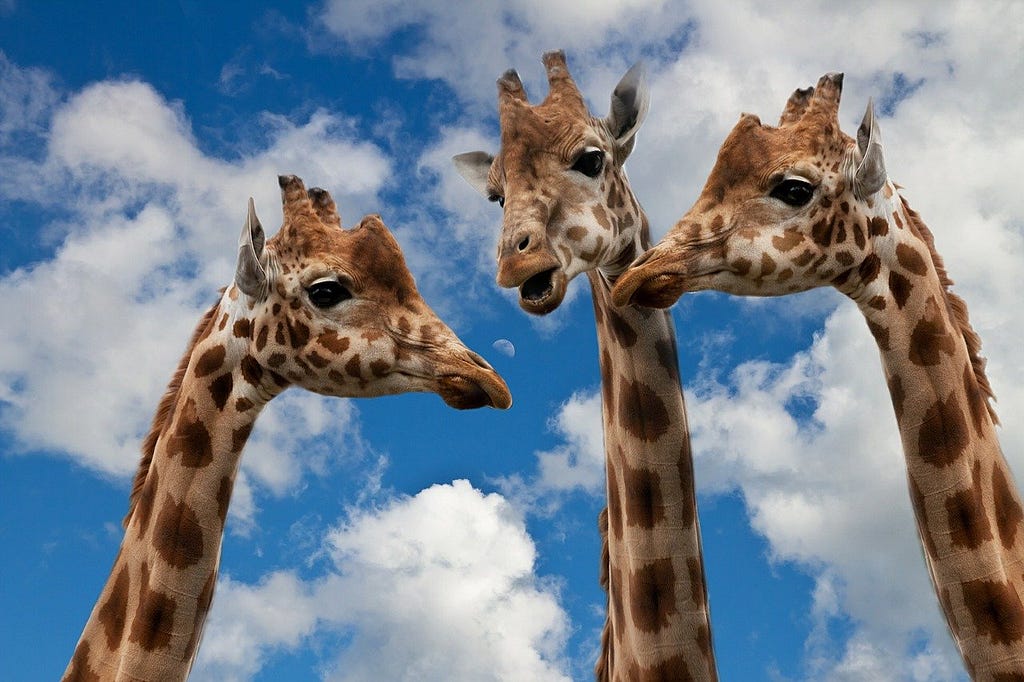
{"points": [[803, 205], [330, 310], [569, 209]]}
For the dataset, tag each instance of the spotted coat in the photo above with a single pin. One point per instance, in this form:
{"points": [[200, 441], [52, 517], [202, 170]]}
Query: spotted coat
{"points": [[569, 209], [802, 205], [330, 310]]}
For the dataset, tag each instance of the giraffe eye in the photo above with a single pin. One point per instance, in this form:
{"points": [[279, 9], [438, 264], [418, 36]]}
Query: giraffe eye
{"points": [[498, 198], [793, 192], [589, 163], [327, 293]]}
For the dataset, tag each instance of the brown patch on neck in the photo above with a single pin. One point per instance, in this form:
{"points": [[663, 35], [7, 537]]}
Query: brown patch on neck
{"points": [[957, 308], [165, 410]]}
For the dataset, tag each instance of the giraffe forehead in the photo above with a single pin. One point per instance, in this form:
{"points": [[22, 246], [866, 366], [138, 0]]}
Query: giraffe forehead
{"points": [[546, 130], [368, 253], [758, 155]]}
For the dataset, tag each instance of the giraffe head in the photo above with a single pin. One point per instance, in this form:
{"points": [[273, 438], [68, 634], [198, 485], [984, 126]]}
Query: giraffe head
{"points": [[559, 177], [336, 311], [785, 209]]}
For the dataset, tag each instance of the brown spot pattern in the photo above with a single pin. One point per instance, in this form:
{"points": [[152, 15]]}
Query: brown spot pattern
{"points": [[900, 287], [670, 670], [621, 329], [317, 360], [911, 259], [642, 412], [879, 227], [931, 337], [652, 595], [79, 669], [239, 436], [667, 358], [614, 501], [332, 342], [897, 394], [741, 266], [869, 268], [353, 367], [224, 497], [261, 338], [113, 613], [177, 535], [975, 400], [942, 438], [787, 241], [995, 609], [220, 389], [153, 624], [965, 511], [821, 232], [804, 258], [298, 333], [242, 328], [1007, 508], [202, 608], [645, 505], [252, 372], [210, 361], [881, 335], [191, 439]]}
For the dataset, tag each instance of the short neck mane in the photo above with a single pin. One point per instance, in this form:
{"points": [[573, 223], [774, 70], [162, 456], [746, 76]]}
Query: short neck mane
{"points": [[957, 307], [657, 625], [165, 410], [149, 618]]}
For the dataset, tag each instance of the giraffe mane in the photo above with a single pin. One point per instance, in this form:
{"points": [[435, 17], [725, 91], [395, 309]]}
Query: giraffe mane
{"points": [[165, 411], [958, 312]]}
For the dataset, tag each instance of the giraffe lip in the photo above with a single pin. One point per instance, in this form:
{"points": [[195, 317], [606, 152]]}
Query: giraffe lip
{"points": [[466, 392], [651, 282], [543, 292]]}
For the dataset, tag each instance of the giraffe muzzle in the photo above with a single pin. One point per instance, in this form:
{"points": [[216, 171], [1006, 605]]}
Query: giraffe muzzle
{"points": [[652, 281]]}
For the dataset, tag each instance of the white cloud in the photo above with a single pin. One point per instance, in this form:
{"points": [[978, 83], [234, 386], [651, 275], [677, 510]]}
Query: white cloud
{"points": [[579, 461], [146, 237], [26, 96], [828, 493], [443, 582]]}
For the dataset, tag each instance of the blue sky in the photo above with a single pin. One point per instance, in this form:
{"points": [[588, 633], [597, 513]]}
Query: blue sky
{"points": [[131, 138]]}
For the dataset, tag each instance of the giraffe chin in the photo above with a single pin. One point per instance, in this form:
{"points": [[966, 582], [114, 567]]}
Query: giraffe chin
{"points": [[465, 393], [543, 292]]}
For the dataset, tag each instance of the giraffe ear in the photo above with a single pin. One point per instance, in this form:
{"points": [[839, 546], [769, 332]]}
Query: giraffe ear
{"points": [[870, 175], [630, 101], [474, 166], [250, 274]]}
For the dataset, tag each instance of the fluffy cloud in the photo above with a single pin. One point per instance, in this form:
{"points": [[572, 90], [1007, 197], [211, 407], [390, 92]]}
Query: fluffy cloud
{"points": [[145, 223], [442, 581], [827, 492]]}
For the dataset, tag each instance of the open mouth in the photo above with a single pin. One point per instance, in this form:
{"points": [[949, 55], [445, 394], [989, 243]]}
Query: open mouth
{"points": [[543, 292], [538, 287]]}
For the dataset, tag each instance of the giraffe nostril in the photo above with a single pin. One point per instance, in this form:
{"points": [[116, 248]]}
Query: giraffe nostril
{"points": [[524, 244]]}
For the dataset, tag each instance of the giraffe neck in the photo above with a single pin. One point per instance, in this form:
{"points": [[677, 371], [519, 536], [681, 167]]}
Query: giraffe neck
{"points": [[966, 504], [657, 624], [149, 618]]}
